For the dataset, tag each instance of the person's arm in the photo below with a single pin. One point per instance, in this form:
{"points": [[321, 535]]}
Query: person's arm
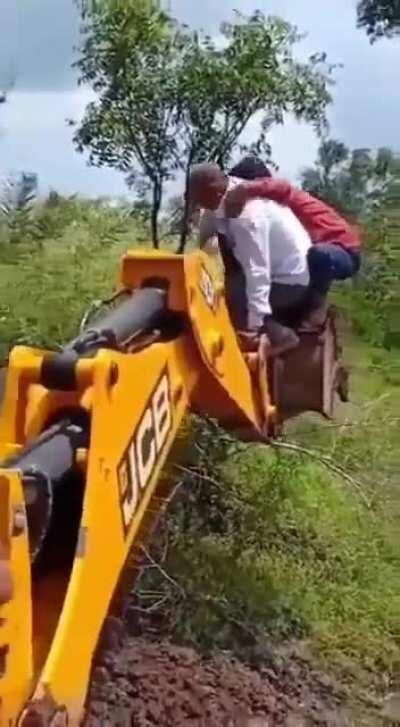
{"points": [[322, 222], [276, 189], [252, 251], [207, 227], [267, 189]]}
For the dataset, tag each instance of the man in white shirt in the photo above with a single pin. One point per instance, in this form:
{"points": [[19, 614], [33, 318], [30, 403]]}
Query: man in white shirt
{"points": [[264, 251]]}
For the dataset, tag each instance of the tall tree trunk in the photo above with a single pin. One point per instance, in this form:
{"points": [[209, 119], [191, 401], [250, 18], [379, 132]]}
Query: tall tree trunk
{"points": [[155, 210], [186, 212]]}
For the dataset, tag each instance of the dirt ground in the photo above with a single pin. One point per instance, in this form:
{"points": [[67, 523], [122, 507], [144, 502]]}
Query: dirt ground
{"points": [[147, 683]]}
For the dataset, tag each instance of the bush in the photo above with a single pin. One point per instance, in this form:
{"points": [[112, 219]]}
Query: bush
{"points": [[50, 278], [372, 300], [262, 545]]}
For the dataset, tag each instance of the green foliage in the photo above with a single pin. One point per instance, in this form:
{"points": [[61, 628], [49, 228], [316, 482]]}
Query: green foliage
{"points": [[253, 72], [365, 187], [46, 288], [372, 301], [379, 17], [263, 545], [17, 197], [168, 97], [129, 55], [354, 182]]}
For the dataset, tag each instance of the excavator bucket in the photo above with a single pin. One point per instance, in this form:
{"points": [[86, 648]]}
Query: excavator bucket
{"points": [[311, 376]]}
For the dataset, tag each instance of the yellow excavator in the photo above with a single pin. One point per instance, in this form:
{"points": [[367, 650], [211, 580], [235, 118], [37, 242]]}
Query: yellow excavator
{"points": [[84, 436]]}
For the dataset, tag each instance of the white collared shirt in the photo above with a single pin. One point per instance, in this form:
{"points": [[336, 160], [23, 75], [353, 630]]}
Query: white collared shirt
{"points": [[269, 243]]}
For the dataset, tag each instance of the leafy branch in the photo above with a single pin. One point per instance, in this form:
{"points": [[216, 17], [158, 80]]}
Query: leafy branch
{"points": [[167, 97]]}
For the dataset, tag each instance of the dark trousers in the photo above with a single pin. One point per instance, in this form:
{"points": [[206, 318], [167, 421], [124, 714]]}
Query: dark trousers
{"points": [[290, 303], [329, 262]]}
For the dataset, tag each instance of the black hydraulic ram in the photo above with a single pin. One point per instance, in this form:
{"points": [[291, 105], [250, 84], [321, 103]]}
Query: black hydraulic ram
{"points": [[45, 466], [48, 465], [144, 311]]}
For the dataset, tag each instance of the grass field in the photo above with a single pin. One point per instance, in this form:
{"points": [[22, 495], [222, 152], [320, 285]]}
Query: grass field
{"points": [[46, 285], [284, 549]]}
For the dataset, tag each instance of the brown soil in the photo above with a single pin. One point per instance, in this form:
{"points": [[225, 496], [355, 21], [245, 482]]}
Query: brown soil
{"points": [[148, 683]]}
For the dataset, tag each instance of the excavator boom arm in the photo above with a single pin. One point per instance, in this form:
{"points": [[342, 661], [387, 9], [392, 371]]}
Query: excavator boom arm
{"points": [[84, 437]]}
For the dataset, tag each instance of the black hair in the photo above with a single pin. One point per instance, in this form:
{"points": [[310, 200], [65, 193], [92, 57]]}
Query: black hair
{"points": [[250, 167]]}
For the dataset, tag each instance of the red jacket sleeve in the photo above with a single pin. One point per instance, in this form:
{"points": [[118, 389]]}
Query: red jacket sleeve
{"points": [[321, 221], [275, 189]]}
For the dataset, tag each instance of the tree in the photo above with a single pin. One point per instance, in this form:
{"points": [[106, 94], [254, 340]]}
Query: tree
{"points": [[85, 6], [128, 57], [17, 197], [365, 186], [169, 97], [252, 75], [354, 182], [379, 17], [19, 192]]}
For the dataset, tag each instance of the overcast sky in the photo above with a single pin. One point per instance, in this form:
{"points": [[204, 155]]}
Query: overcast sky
{"points": [[37, 49]]}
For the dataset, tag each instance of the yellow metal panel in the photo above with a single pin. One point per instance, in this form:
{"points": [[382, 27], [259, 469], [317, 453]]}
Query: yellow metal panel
{"points": [[135, 419], [216, 339], [148, 401], [196, 288], [16, 616]]}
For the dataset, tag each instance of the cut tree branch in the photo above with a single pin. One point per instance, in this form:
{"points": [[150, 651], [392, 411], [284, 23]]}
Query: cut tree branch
{"points": [[327, 462]]}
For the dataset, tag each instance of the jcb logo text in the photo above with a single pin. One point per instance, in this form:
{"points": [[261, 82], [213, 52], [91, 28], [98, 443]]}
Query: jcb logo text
{"points": [[144, 450]]}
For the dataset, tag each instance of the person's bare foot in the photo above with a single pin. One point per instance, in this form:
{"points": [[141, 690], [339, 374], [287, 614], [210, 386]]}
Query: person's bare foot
{"points": [[316, 318], [282, 338], [235, 200]]}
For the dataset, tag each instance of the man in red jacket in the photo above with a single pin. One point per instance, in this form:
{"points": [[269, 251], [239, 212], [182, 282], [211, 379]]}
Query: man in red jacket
{"points": [[336, 250]]}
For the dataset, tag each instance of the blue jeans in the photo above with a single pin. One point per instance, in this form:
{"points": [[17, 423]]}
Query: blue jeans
{"points": [[329, 262]]}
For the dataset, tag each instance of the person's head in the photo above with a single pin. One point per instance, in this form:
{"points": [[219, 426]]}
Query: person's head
{"points": [[249, 168], [207, 185]]}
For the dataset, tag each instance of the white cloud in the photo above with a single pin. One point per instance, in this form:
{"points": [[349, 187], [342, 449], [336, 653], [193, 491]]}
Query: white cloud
{"points": [[294, 145], [35, 137], [40, 112]]}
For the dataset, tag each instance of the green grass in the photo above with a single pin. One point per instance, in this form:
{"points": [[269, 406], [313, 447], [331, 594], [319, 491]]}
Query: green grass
{"points": [[330, 563], [47, 283], [269, 544]]}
